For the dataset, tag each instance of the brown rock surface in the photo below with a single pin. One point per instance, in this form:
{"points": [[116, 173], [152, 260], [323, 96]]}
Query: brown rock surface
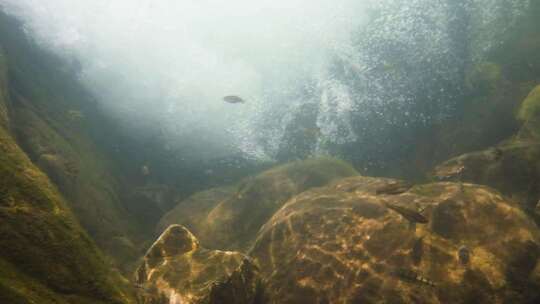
{"points": [[341, 244], [193, 210], [176, 269], [243, 286], [230, 219], [510, 168]]}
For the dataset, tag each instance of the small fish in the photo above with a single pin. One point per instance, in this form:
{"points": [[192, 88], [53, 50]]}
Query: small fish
{"points": [[140, 286], [411, 215], [464, 255], [394, 188], [451, 173], [421, 208], [75, 115], [412, 276], [461, 188], [417, 250], [145, 171], [497, 153], [233, 99]]}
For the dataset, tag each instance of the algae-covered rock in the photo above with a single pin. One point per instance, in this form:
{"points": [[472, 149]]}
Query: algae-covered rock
{"points": [[192, 211], [243, 286], [177, 269], [80, 171], [530, 107], [230, 221], [511, 168], [4, 121], [56, 123], [529, 114], [46, 257], [349, 243], [148, 203]]}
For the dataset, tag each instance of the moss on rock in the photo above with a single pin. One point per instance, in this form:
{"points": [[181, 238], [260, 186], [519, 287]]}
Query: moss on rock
{"points": [[46, 256], [510, 167], [3, 89], [53, 119], [41, 239], [80, 172], [530, 107], [192, 211], [529, 114], [231, 220]]}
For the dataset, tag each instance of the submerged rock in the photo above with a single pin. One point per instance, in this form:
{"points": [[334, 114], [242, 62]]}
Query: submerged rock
{"points": [[243, 286], [4, 95], [341, 244], [529, 114], [510, 168], [46, 256], [176, 269], [192, 211], [231, 220]]}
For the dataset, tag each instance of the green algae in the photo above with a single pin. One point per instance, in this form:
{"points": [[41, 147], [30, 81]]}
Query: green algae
{"points": [[530, 107], [529, 115], [18, 288], [231, 221], [41, 236], [318, 171], [3, 89], [57, 124], [46, 256]]}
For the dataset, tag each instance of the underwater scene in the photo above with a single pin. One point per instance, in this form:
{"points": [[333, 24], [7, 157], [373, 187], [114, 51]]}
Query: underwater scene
{"points": [[269, 151]]}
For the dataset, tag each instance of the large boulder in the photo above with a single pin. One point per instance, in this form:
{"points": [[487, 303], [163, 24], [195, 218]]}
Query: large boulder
{"points": [[193, 210], [45, 255], [228, 219], [511, 168], [176, 269], [353, 242], [243, 286], [529, 114], [4, 119], [58, 125]]}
